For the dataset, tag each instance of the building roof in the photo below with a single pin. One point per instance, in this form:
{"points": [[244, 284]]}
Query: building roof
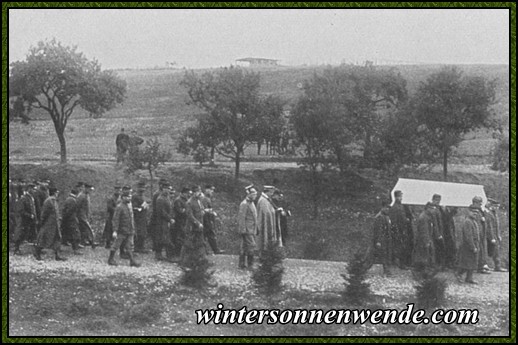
{"points": [[249, 59]]}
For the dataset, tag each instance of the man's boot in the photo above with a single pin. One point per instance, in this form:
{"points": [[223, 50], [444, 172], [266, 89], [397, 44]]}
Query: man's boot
{"points": [[59, 258], [250, 261], [133, 263], [469, 277], [111, 260], [37, 253], [242, 259]]}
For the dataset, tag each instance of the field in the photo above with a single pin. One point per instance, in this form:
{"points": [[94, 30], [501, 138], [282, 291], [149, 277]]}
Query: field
{"points": [[156, 106]]}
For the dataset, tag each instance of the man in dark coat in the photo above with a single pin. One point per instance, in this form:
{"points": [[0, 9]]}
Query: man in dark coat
{"points": [[281, 216], [484, 236], [140, 209], [450, 241], [424, 250], [152, 225], [69, 223], [180, 217], [13, 199], [438, 228], [49, 235], [469, 244], [402, 232], [382, 249], [83, 216], [209, 219], [123, 230], [194, 245], [111, 204], [164, 221], [122, 142], [494, 226], [27, 214]]}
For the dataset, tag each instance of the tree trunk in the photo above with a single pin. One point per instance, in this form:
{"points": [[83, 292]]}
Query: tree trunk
{"points": [[315, 191], [259, 148], [212, 153], [63, 145], [445, 164]]}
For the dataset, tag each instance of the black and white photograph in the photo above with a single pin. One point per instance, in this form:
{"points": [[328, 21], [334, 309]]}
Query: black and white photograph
{"points": [[258, 172]]}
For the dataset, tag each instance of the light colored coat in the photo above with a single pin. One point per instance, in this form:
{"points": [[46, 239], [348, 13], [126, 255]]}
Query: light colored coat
{"points": [[247, 218], [266, 229]]}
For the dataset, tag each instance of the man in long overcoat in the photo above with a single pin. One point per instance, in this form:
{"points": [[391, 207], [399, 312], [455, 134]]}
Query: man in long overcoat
{"points": [[424, 250], [111, 204], [123, 230], [194, 246], [140, 208], [494, 227], [69, 222], [247, 228], [164, 221], [49, 235], [438, 230], [152, 224], [209, 219], [84, 214], [383, 240], [266, 221], [27, 215], [180, 218], [484, 234], [468, 254], [402, 233]]}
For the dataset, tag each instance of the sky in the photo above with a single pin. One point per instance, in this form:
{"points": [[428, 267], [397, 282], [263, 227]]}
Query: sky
{"points": [[202, 38]]}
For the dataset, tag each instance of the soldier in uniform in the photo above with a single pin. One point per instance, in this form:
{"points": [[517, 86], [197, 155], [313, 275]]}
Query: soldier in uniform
{"points": [[402, 233], [83, 216], [484, 236], [438, 228], [209, 219], [247, 228], [27, 213], [281, 216], [468, 254], [266, 219], [194, 246], [494, 227], [164, 221], [382, 241], [140, 208], [424, 250], [13, 199], [49, 235], [70, 223], [152, 225], [180, 217], [123, 229], [111, 204]]}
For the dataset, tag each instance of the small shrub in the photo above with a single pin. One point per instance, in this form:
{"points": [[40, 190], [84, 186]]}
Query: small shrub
{"points": [[357, 291], [143, 313], [196, 267], [268, 276], [431, 293]]}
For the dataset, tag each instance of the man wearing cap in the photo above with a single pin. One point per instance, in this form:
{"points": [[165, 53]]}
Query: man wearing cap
{"points": [[495, 236], [483, 234], [180, 217], [266, 219], [247, 228], [424, 250], [111, 204], [164, 221], [194, 245], [27, 212], [70, 223], [140, 207], [438, 230], [49, 235], [468, 254], [209, 219], [402, 233], [123, 229], [383, 248], [83, 216]]}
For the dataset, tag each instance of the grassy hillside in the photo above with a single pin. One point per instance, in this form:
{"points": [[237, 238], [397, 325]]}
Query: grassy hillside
{"points": [[156, 106]]}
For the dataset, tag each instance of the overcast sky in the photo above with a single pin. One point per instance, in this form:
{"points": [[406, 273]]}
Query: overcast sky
{"points": [[194, 38]]}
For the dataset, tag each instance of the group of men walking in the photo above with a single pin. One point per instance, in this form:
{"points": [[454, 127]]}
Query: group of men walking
{"points": [[435, 244]]}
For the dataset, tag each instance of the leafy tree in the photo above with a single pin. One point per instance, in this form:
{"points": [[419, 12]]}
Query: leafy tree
{"points": [[231, 98], [267, 277], [357, 289], [270, 124], [148, 158], [450, 105], [200, 140], [58, 79]]}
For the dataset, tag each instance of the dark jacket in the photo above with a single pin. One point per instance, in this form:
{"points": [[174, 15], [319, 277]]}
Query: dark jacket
{"points": [[180, 213], [195, 213], [122, 221], [424, 250], [382, 234], [69, 222], [469, 242], [140, 214], [111, 204], [163, 216], [83, 207]]}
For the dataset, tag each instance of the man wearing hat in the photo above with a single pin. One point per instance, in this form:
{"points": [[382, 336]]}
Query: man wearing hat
{"points": [[266, 222], [164, 222], [123, 229], [180, 217], [27, 211], [49, 235], [111, 204], [152, 225], [209, 219], [493, 226], [140, 208], [247, 228], [402, 233], [70, 223], [469, 249], [84, 214]]}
